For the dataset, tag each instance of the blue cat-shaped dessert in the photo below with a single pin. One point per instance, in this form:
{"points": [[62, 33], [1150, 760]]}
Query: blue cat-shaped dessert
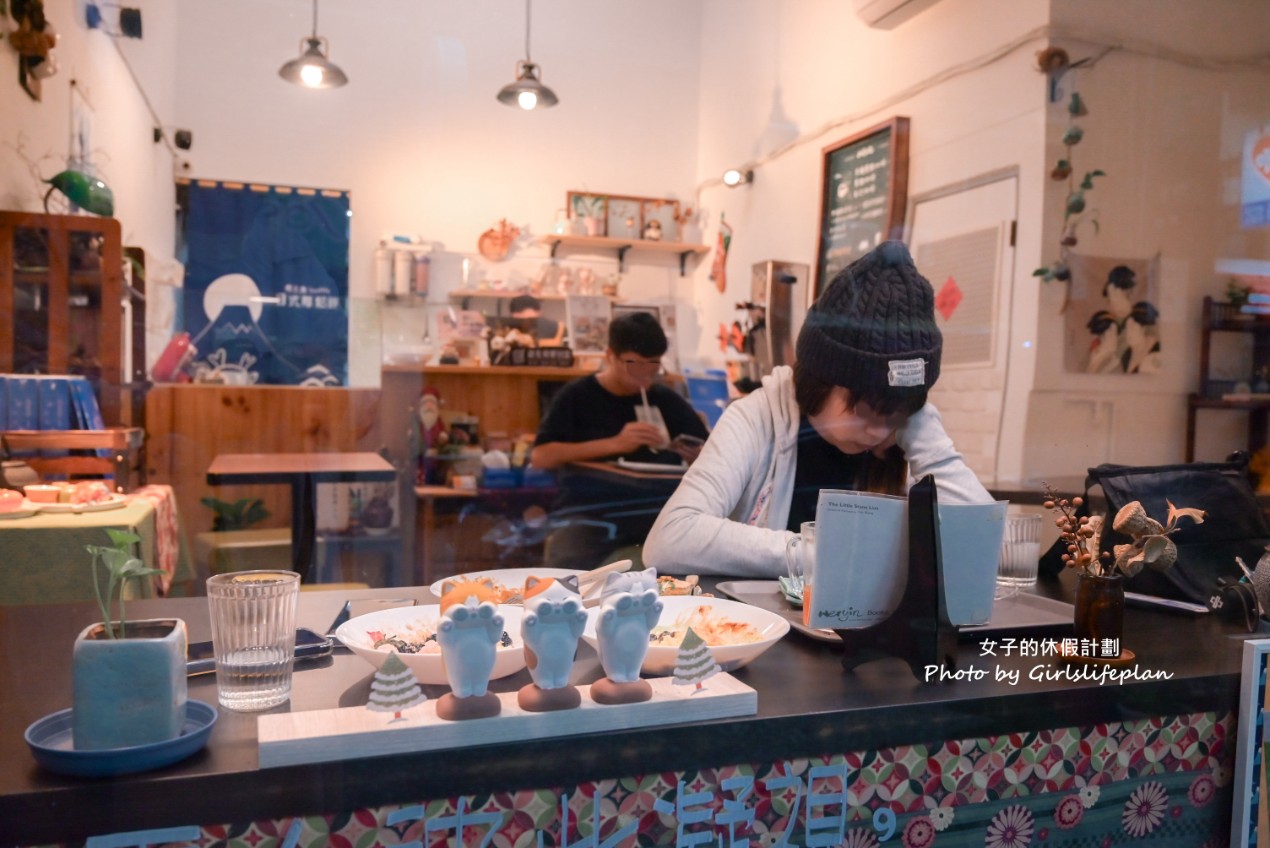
{"points": [[630, 606], [551, 626], [469, 633]]}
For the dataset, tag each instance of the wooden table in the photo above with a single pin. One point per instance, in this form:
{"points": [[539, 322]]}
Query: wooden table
{"points": [[302, 471]]}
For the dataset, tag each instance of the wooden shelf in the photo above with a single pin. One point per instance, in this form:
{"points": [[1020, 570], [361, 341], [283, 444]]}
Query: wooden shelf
{"points": [[1215, 394], [508, 295], [622, 245], [490, 370]]}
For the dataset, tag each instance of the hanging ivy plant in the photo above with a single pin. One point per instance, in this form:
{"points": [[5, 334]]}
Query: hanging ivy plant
{"points": [[1074, 210]]}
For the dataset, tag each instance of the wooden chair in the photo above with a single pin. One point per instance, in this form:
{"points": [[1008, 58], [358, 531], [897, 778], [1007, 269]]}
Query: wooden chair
{"points": [[124, 463]]}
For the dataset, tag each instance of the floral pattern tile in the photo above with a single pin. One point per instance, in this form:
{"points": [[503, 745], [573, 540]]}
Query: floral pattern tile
{"points": [[1166, 779]]}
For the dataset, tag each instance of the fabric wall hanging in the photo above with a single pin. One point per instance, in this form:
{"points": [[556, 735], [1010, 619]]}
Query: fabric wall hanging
{"points": [[266, 285]]}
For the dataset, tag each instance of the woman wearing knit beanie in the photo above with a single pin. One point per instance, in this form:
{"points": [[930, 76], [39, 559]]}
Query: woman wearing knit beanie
{"points": [[850, 414]]}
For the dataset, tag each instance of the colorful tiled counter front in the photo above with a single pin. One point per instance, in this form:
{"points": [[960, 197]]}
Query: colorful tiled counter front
{"points": [[1050, 759]]}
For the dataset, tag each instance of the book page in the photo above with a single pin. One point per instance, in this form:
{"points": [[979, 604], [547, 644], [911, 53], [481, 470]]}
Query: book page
{"points": [[970, 546], [861, 558]]}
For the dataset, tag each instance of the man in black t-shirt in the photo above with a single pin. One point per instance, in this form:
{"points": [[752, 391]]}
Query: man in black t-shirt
{"points": [[527, 309], [596, 417]]}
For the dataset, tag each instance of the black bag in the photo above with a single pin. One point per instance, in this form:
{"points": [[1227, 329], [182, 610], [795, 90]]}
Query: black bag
{"points": [[1235, 524]]}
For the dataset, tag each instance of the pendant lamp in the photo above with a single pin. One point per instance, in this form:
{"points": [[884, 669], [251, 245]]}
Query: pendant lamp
{"points": [[527, 91], [312, 69]]}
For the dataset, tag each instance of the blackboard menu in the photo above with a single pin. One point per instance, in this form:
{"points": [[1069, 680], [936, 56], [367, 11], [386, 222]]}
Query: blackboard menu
{"points": [[864, 184]]}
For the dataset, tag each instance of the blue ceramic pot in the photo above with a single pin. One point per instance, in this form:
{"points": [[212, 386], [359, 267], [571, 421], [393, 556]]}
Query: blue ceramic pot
{"points": [[129, 691]]}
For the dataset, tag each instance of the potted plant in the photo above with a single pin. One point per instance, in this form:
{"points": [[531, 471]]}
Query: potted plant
{"points": [[128, 679], [1099, 613]]}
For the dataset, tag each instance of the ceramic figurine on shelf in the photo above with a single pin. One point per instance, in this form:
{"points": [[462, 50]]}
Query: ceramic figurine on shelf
{"points": [[652, 230], [586, 281], [564, 283], [469, 634], [551, 626], [629, 609]]}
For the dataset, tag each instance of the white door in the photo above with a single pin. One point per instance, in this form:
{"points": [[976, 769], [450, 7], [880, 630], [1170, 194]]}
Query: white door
{"points": [[962, 238]]}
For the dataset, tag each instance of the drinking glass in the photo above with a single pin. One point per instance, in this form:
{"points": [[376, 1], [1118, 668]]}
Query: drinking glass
{"points": [[253, 636], [800, 561], [1020, 550]]}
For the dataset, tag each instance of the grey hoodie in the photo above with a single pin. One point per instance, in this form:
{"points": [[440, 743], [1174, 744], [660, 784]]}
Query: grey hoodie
{"points": [[728, 515]]}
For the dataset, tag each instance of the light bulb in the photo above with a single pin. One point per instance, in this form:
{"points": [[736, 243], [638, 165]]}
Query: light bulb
{"points": [[311, 75], [527, 100], [732, 177]]}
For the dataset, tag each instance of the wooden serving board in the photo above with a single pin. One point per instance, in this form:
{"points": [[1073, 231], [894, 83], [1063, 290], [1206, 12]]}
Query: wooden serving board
{"points": [[355, 732]]}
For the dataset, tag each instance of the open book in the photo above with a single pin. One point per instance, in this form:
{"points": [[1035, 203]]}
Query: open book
{"points": [[862, 558]]}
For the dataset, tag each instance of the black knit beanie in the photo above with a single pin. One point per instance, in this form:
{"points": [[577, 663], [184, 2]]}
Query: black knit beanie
{"points": [[873, 329]]}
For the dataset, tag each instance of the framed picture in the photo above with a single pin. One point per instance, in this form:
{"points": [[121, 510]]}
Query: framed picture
{"points": [[666, 214], [864, 185], [625, 217], [589, 317], [584, 206], [1248, 825]]}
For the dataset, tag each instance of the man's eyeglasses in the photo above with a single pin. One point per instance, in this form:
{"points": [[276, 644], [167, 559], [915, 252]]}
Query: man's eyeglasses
{"points": [[642, 366]]}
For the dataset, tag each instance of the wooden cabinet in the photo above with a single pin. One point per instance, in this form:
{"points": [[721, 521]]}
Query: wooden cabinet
{"points": [[65, 307], [1218, 317]]}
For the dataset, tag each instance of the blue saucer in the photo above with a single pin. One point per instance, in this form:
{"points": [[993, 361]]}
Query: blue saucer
{"points": [[51, 743]]}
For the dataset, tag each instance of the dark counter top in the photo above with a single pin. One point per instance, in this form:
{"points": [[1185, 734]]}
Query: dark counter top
{"points": [[807, 705]]}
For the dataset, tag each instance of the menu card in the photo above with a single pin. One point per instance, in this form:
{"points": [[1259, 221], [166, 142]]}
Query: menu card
{"points": [[862, 558]]}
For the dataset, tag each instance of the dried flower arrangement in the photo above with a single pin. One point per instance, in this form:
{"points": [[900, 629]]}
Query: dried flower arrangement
{"points": [[1150, 545]]}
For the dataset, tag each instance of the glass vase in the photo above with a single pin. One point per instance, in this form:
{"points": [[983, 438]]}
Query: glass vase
{"points": [[1099, 616]]}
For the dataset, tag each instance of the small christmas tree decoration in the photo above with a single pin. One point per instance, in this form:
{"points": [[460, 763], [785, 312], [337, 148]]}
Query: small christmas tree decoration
{"points": [[695, 663], [394, 688]]}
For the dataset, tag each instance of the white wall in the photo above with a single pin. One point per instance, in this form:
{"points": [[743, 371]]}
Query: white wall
{"points": [[820, 64], [1167, 131], [35, 136], [657, 98]]}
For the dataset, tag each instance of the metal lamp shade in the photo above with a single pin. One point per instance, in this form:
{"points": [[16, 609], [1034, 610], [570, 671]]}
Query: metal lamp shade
{"points": [[312, 69], [527, 83]]}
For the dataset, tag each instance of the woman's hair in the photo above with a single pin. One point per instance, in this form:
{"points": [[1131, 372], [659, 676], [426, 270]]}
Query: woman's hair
{"points": [[811, 393], [886, 475]]}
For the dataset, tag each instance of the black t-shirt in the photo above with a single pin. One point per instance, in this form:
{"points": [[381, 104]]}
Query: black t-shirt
{"points": [[820, 465], [584, 411]]}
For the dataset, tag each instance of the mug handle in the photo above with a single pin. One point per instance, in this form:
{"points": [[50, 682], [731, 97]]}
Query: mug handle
{"points": [[791, 557]]}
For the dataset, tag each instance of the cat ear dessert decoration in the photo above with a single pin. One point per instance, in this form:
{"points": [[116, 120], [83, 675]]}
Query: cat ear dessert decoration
{"points": [[469, 633], [629, 609], [551, 626]]}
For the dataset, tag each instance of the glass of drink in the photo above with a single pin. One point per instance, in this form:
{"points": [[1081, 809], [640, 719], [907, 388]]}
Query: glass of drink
{"points": [[800, 561], [253, 636], [1020, 550]]}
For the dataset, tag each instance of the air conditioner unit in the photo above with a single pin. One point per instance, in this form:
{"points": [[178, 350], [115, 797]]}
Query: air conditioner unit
{"points": [[888, 14]]}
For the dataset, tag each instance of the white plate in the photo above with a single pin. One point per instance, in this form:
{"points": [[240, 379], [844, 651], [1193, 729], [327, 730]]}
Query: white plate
{"points": [[508, 578], [115, 501], [25, 511], [660, 659], [656, 468], [427, 668]]}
